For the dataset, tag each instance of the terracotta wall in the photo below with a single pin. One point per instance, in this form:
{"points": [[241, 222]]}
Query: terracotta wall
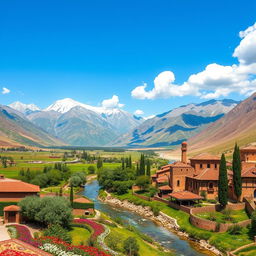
{"points": [[249, 205], [212, 225]]}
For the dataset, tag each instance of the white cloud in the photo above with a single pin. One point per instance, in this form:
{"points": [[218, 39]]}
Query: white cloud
{"points": [[215, 80], [138, 112], [5, 90], [164, 88], [112, 103]]}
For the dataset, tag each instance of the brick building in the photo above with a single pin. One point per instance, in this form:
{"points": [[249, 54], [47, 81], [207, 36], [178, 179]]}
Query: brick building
{"points": [[201, 174]]}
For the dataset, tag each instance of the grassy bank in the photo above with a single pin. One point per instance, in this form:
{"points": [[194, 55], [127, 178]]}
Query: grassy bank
{"points": [[222, 241]]}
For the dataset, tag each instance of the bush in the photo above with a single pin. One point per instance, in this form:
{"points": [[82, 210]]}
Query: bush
{"points": [[235, 230], [212, 216], [131, 246], [47, 210], [227, 214], [91, 169], [59, 232]]}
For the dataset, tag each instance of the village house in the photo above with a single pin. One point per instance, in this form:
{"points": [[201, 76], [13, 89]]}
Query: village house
{"points": [[12, 190], [199, 176]]}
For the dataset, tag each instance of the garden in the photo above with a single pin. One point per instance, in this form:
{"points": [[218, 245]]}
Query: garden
{"points": [[225, 216]]}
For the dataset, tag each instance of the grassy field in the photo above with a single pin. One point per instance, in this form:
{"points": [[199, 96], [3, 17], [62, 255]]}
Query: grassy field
{"points": [[80, 236], [236, 216]]}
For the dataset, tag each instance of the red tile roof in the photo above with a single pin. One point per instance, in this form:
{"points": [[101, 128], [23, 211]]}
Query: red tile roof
{"points": [[165, 187], [82, 200], [12, 208], [249, 172], [11, 185], [185, 195], [153, 176], [207, 174], [249, 148], [205, 156], [162, 179]]}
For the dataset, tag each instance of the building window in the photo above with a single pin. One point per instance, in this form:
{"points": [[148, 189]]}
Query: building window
{"points": [[178, 183], [208, 166], [210, 185], [215, 166], [201, 166]]}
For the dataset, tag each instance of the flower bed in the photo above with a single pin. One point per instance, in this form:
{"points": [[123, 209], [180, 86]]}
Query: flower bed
{"points": [[98, 228], [60, 247], [10, 252], [24, 235]]}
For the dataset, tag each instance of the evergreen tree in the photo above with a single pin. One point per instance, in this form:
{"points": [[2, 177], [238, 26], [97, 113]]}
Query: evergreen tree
{"points": [[223, 182], [148, 168], [142, 164], [236, 166], [71, 195], [122, 163], [61, 192], [137, 170], [130, 162], [99, 163]]}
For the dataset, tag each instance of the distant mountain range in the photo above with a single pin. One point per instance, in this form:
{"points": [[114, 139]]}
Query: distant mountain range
{"points": [[17, 130], [177, 125], [239, 125], [79, 124], [68, 122]]}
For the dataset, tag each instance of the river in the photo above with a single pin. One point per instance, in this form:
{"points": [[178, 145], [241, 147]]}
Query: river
{"points": [[161, 235]]}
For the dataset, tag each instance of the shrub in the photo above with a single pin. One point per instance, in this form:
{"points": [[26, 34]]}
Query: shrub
{"points": [[212, 216], [203, 194], [131, 246], [227, 214], [59, 232], [47, 210], [235, 230]]}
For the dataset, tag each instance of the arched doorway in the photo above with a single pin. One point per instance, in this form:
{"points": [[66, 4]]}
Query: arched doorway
{"points": [[12, 214]]}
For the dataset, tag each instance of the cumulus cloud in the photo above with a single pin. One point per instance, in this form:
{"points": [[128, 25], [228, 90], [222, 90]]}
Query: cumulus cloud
{"points": [[112, 103], [215, 80], [5, 90], [138, 112]]}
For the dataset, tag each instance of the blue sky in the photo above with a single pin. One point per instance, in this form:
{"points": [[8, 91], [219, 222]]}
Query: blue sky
{"points": [[92, 50]]}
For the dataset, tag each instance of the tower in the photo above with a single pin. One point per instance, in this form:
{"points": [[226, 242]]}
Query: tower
{"points": [[184, 147]]}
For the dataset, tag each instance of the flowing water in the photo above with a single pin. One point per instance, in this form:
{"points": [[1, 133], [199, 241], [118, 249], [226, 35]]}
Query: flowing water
{"points": [[164, 237]]}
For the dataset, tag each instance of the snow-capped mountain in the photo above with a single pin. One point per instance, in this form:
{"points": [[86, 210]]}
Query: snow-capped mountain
{"points": [[24, 108], [80, 124], [64, 105]]}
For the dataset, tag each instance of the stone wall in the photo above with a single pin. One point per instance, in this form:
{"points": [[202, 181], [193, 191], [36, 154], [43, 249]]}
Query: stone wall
{"points": [[212, 225], [249, 205]]}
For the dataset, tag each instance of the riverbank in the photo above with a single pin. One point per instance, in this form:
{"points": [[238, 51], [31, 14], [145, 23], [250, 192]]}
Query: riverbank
{"points": [[163, 220]]}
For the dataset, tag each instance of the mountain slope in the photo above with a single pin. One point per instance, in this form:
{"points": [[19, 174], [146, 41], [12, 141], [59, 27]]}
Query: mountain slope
{"points": [[83, 125], [24, 108], [239, 125], [16, 130], [177, 125]]}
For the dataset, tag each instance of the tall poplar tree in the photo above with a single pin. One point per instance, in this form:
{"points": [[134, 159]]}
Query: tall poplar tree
{"points": [[71, 196], [236, 166], [223, 182], [148, 168], [142, 164]]}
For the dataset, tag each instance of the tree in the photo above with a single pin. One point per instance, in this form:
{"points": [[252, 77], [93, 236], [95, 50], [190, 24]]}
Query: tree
{"points": [[71, 196], [130, 162], [47, 210], [99, 163], [223, 182], [236, 166], [148, 168], [131, 246], [142, 165], [123, 163], [143, 182], [91, 169]]}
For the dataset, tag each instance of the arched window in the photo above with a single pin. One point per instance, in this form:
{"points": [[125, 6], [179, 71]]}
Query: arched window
{"points": [[178, 183]]}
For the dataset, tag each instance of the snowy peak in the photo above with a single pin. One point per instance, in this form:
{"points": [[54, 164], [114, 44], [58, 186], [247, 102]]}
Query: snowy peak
{"points": [[24, 108]]}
